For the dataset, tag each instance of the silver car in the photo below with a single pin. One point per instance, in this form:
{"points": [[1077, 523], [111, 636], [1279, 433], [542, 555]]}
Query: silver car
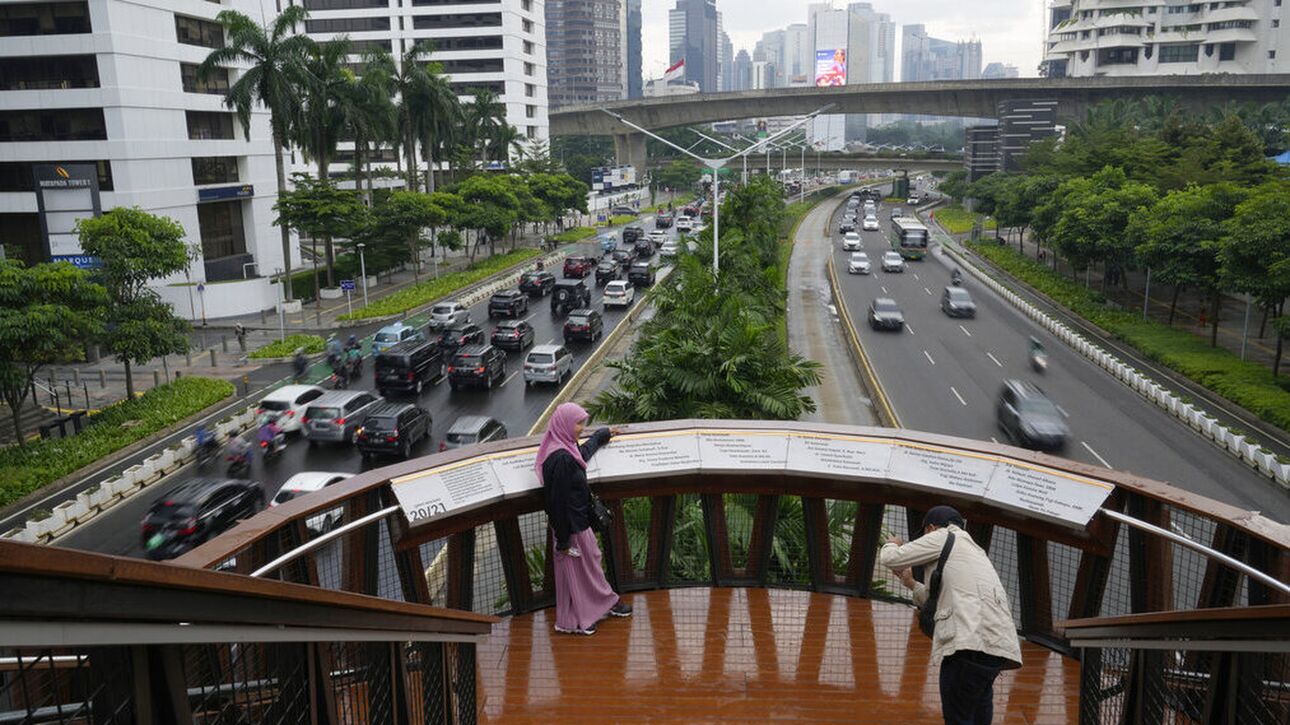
{"points": [[469, 430], [335, 416], [447, 314], [547, 364]]}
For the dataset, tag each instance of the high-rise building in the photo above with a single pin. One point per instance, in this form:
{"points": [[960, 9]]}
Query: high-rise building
{"points": [[1103, 37], [831, 65], [798, 56], [743, 66], [726, 69], [586, 51], [980, 151], [1000, 70], [930, 59], [108, 92], [635, 77], [694, 37], [771, 50]]}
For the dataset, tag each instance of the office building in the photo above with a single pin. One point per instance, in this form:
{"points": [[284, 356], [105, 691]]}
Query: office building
{"points": [[110, 87], [980, 151], [925, 58], [587, 51], [693, 27], [797, 57], [832, 66], [726, 68], [1105, 37], [1022, 123], [1000, 70], [743, 69], [635, 79]]}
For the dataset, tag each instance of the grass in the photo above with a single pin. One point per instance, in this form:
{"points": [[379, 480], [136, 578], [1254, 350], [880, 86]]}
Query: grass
{"points": [[957, 220], [680, 200], [1249, 385], [40, 463], [416, 295], [620, 220], [285, 348], [576, 234]]}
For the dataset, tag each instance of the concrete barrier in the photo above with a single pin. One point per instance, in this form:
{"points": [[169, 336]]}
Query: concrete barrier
{"points": [[19, 534]]}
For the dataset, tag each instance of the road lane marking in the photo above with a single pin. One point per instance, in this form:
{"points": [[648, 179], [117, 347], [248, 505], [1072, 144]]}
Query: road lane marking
{"points": [[1095, 454], [929, 357], [508, 379], [960, 397], [929, 292], [993, 439], [915, 275], [965, 332], [1062, 410], [884, 290], [907, 327], [994, 359], [552, 341]]}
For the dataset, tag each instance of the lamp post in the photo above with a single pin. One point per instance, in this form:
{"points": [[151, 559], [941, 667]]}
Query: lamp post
{"points": [[282, 305], [362, 269]]}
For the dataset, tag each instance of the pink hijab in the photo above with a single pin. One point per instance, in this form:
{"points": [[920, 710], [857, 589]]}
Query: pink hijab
{"points": [[559, 435]]}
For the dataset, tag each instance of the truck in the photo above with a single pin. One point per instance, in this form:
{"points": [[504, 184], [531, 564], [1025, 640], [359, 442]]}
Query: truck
{"points": [[848, 176]]}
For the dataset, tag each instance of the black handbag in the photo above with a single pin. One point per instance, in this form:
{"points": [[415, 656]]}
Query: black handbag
{"points": [[601, 518], [927, 615]]}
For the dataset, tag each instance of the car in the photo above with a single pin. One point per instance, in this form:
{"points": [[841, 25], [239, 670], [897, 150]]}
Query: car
{"points": [[537, 284], [885, 314], [391, 335], [633, 234], [288, 403], [846, 226], [658, 238], [912, 200], [619, 293], [335, 416], [898, 212], [663, 220], [547, 364], [305, 483], [851, 241], [508, 303], [624, 257], [870, 224], [624, 210], [447, 314], [641, 274], [684, 224], [1029, 418], [477, 365], [607, 242], [607, 271], [513, 335], [893, 262], [393, 428], [408, 367], [577, 266], [858, 263], [469, 430], [956, 302], [569, 294], [584, 324], [644, 248], [459, 336], [196, 511], [668, 250]]}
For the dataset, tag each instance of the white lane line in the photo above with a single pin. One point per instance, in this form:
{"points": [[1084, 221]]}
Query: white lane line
{"points": [[915, 275], [965, 332], [960, 397], [1095, 454], [994, 359], [993, 439], [929, 357], [508, 379], [929, 292], [1062, 410], [907, 327], [551, 341], [884, 290]]}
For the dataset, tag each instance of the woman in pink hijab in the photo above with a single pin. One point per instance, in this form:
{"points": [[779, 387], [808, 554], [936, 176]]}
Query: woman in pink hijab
{"points": [[583, 596]]}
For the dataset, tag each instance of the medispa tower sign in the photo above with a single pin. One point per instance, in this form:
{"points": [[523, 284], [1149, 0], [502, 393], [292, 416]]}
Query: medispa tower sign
{"points": [[65, 194]]}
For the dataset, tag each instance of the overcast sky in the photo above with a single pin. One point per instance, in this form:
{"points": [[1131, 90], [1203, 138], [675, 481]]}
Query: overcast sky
{"points": [[1009, 30]]}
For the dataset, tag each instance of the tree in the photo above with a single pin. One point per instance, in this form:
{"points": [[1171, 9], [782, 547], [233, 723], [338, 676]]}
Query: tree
{"points": [[321, 210], [272, 57], [135, 248], [439, 119], [327, 89], [402, 218], [485, 117], [560, 192], [1255, 254], [679, 175], [490, 208], [954, 185], [369, 113], [411, 82], [1094, 216], [47, 312]]}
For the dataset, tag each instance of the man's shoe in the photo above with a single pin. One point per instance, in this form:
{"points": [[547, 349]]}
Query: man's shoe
{"points": [[621, 609]]}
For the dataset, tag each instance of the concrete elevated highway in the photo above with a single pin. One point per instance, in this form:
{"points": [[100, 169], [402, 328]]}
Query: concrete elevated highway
{"points": [[829, 162]]}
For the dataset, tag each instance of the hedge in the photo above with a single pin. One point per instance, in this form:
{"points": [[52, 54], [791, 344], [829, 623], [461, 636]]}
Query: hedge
{"points": [[285, 348], [422, 293], [576, 234], [1250, 385], [42, 462], [302, 282], [957, 220]]}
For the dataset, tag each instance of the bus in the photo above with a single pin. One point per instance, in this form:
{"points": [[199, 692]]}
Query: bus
{"points": [[909, 237]]}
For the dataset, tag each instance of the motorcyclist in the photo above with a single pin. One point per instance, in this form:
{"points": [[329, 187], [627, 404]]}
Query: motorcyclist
{"points": [[334, 350], [270, 435], [300, 364], [239, 453], [1036, 348], [956, 277], [353, 359], [205, 440]]}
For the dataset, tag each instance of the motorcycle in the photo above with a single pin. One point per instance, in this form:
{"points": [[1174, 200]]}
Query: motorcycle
{"points": [[956, 278], [1039, 360], [270, 450], [206, 452], [239, 464]]}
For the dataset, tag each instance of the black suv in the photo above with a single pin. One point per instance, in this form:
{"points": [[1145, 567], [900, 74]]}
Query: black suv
{"points": [[641, 274], [513, 335], [459, 336], [392, 428], [644, 248], [478, 365], [632, 233], [663, 220], [537, 284], [508, 303], [1029, 418], [607, 271], [408, 367], [195, 511], [585, 325], [569, 294]]}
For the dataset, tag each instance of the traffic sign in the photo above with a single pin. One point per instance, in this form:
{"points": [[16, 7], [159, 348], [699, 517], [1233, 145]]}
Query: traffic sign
{"points": [[348, 285]]}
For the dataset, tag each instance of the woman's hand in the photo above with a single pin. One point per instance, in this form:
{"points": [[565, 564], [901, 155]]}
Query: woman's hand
{"points": [[615, 430]]}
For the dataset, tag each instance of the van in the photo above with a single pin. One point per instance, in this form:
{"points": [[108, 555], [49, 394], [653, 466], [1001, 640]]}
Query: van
{"points": [[335, 416], [547, 364], [408, 367]]}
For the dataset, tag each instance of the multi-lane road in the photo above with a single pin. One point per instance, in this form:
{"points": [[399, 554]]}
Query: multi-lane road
{"points": [[944, 375]]}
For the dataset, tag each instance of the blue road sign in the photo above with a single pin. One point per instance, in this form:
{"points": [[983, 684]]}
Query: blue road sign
{"points": [[348, 285]]}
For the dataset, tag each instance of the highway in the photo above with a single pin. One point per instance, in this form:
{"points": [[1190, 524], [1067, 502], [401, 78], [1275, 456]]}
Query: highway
{"points": [[513, 403], [943, 375]]}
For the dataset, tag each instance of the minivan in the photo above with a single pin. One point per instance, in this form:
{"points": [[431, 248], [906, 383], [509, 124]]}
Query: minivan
{"points": [[478, 365], [335, 416], [469, 430], [393, 428], [547, 364], [584, 324], [408, 367]]}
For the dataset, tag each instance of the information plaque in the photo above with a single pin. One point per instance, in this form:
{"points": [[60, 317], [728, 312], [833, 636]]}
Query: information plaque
{"points": [[1047, 492], [637, 455], [742, 451], [838, 455], [941, 469], [515, 470], [447, 488]]}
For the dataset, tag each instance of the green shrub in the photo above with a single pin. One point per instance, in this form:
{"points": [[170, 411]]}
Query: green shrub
{"points": [[957, 220], [416, 295], [302, 281], [285, 348], [40, 463], [576, 234], [1249, 385]]}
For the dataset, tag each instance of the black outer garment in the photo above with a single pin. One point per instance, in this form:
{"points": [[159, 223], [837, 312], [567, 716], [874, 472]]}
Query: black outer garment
{"points": [[568, 499]]}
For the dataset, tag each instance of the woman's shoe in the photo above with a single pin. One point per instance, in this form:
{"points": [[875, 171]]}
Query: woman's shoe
{"points": [[621, 609], [586, 631]]}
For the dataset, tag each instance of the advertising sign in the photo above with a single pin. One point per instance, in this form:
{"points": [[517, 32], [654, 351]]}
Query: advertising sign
{"points": [[831, 67], [65, 194]]}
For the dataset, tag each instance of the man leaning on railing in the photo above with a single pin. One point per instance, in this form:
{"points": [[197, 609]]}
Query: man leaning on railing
{"points": [[963, 608]]}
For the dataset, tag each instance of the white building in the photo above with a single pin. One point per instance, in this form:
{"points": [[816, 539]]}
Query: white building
{"points": [[113, 83], [656, 87], [1155, 37]]}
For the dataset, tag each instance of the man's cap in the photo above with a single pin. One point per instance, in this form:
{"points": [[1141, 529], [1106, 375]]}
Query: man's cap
{"points": [[942, 516]]}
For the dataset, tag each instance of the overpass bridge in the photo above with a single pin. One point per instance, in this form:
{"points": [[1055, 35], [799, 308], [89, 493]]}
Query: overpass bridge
{"points": [[831, 162]]}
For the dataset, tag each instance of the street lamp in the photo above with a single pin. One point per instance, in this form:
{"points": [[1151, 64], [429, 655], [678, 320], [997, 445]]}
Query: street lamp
{"points": [[715, 165], [744, 178], [362, 269]]}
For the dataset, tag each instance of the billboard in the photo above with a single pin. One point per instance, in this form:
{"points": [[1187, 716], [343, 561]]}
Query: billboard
{"points": [[831, 67], [65, 194]]}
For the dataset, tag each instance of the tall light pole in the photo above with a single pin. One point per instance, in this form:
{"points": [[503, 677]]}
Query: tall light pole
{"points": [[362, 269]]}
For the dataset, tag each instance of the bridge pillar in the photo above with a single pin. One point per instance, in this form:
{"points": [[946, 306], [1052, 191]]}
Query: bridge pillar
{"points": [[629, 148]]}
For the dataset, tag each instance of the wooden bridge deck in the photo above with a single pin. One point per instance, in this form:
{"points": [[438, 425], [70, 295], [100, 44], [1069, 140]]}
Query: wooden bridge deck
{"points": [[745, 655]]}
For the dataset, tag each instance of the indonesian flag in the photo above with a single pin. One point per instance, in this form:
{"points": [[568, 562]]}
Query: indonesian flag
{"points": [[676, 71]]}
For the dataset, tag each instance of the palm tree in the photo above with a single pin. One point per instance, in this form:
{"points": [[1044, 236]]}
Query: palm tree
{"points": [[369, 112], [325, 90], [505, 140], [272, 56], [439, 118], [485, 117], [411, 82]]}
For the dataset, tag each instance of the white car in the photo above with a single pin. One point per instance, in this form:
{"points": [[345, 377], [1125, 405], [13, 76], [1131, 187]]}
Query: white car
{"points": [[669, 249], [858, 264], [870, 224], [893, 262], [307, 482], [619, 293], [289, 403], [851, 241], [912, 201], [684, 224], [658, 237]]}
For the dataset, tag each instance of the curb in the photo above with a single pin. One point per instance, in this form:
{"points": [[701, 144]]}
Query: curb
{"points": [[882, 406]]}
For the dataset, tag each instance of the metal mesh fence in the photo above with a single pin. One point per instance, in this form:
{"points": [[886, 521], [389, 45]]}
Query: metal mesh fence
{"points": [[789, 564], [424, 679], [1063, 568], [1116, 597], [361, 682], [488, 586], [885, 584], [1262, 687], [534, 533], [741, 512], [464, 677], [841, 526], [246, 683], [1003, 554], [689, 561], [60, 686]]}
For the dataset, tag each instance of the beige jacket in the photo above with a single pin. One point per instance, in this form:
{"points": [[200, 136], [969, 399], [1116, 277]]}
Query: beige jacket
{"points": [[973, 611]]}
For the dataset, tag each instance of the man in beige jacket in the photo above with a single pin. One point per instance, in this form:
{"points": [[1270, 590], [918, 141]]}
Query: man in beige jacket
{"points": [[975, 636]]}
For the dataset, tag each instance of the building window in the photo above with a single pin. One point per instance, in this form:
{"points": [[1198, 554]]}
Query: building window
{"points": [[1276, 23], [204, 125], [193, 31], [530, 90], [1117, 56], [472, 65], [216, 83], [468, 42], [346, 25], [528, 46], [527, 26], [529, 69], [214, 170], [526, 5], [530, 131], [48, 73], [457, 20], [1179, 53], [467, 88], [63, 124], [530, 111], [345, 4], [221, 229], [52, 18], [421, 3], [1227, 51], [17, 175], [1272, 54]]}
